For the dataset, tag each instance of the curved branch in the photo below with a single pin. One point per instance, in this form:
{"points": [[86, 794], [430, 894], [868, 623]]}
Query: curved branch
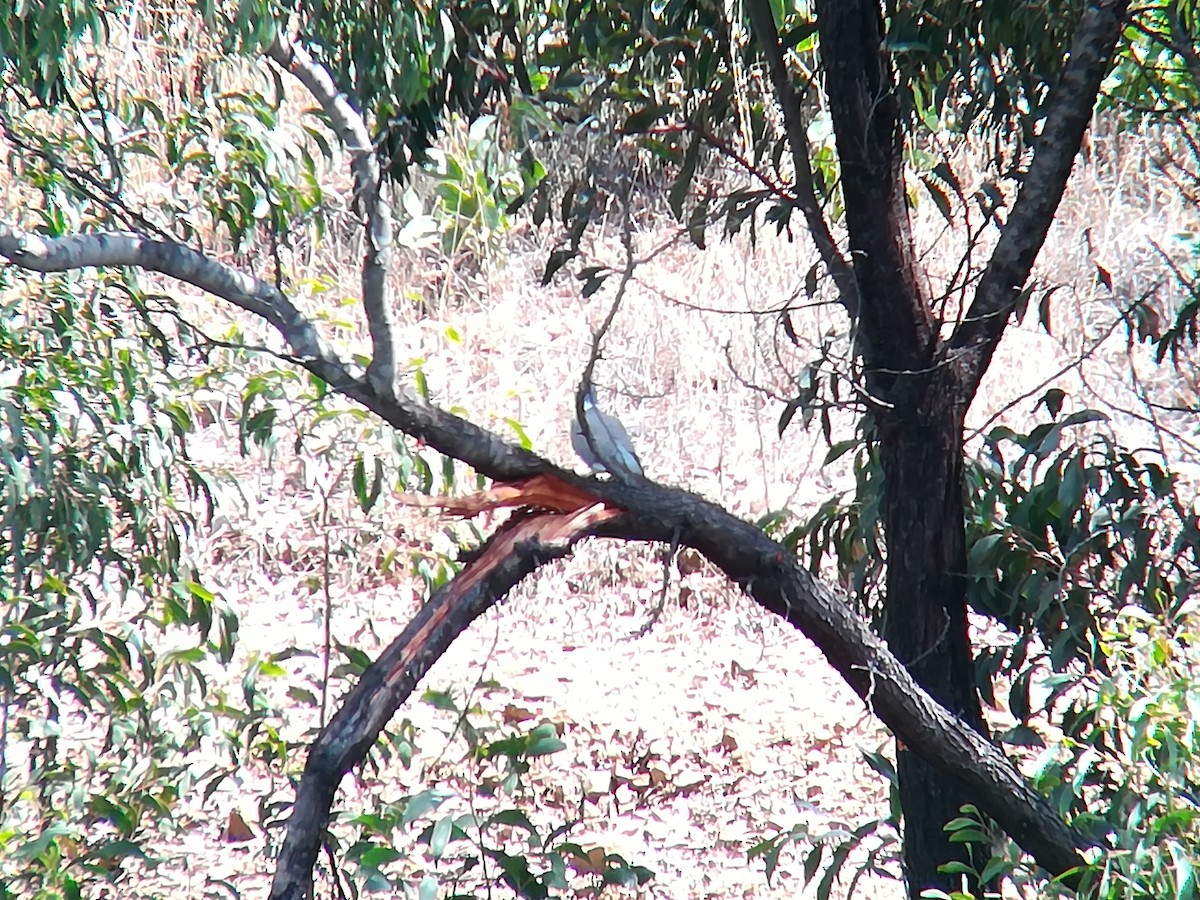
{"points": [[765, 569], [109, 249], [1066, 115], [518, 549], [369, 191], [775, 580], [401, 408]]}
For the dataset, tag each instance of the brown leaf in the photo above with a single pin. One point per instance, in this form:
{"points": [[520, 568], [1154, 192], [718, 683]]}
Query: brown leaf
{"points": [[513, 714], [690, 562], [236, 829], [738, 672], [539, 492], [591, 864]]}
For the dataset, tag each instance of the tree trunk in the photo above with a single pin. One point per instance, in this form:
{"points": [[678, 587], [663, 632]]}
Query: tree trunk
{"points": [[925, 619], [919, 422]]}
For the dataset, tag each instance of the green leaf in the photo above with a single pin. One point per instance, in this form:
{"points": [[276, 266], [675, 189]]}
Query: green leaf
{"points": [[425, 802], [1044, 308], [641, 120], [440, 700], [881, 765], [441, 837], [517, 819], [940, 198], [544, 740], [677, 195], [557, 259], [378, 857], [840, 449], [517, 875], [120, 850], [698, 222], [789, 412]]}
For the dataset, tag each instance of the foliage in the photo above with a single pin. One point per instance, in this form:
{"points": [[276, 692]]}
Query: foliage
{"points": [[99, 503], [846, 530], [1159, 73], [1081, 550], [37, 41], [1063, 533], [980, 68], [1084, 553], [1181, 164], [1064, 537], [477, 183], [486, 835], [1125, 766], [1130, 746], [836, 851], [215, 160]]}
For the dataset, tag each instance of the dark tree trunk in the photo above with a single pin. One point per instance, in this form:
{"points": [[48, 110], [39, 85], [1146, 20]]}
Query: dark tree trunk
{"points": [[925, 619], [919, 422]]}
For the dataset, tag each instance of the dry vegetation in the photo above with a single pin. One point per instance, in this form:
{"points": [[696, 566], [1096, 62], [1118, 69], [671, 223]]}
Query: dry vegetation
{"points": [[720, 725]]}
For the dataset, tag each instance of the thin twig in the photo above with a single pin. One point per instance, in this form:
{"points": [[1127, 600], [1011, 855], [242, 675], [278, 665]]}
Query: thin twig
{"points": [[585, 381], [1074, 363], [762, 21], [668, 554]]}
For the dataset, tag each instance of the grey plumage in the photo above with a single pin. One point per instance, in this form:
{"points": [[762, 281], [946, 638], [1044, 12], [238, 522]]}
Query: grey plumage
{"points": [[614, 451]]}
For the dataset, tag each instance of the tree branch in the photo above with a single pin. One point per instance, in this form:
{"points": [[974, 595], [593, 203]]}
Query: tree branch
{"points": [[111, 249], [1066, 115], [402, 409], [517, 550], [774, 578], [369, 191], [652, 513], [764, 569], [762, 21]]}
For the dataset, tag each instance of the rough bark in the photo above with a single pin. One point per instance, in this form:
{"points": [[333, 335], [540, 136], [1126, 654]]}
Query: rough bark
{"points": [[925, 622], [1065, 115], [519, 548], [895, 325], [923, 389], [773, 578], [919, 424]]}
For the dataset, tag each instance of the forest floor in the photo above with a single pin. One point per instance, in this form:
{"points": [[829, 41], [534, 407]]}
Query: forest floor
{"points": [[719, 727]]}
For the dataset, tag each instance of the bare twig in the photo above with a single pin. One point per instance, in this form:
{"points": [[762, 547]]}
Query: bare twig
{"points": [[86, 183], [1063, 370], [668, 554], [585, 380], [723, 147]]}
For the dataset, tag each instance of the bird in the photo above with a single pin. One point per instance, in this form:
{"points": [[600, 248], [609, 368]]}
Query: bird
{"points": [[614, 451]]}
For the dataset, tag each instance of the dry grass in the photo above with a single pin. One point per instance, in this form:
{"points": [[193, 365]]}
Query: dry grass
{"points": [[728, 702], [681, 379]]}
